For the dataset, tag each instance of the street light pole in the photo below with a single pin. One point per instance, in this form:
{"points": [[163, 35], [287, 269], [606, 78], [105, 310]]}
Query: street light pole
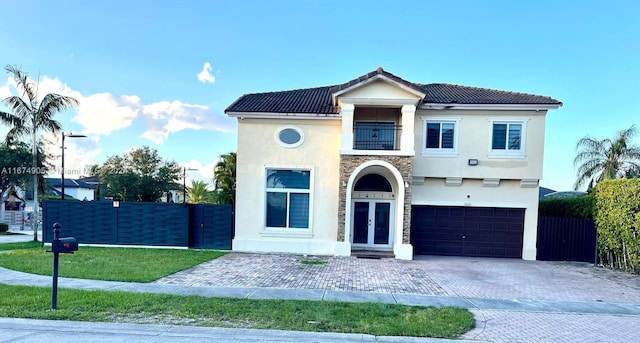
{"points": [[184, 183], [62, 172]]}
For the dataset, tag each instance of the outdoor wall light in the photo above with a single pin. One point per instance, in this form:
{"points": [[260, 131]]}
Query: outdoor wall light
{"points": [[473, 161], [116, 203]]}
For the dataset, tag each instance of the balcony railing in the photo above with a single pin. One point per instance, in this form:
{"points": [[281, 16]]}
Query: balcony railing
{"points": [[376, 136]]}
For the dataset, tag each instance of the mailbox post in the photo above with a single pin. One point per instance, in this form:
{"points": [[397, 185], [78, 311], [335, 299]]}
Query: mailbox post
{"points": [[59, 246]]}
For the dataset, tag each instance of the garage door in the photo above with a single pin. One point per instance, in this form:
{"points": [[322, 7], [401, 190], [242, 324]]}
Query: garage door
{"points": [[467, 231]]}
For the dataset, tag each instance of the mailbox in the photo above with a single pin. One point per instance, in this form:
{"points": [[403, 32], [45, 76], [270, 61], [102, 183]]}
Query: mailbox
{"points": [[64, 245]]}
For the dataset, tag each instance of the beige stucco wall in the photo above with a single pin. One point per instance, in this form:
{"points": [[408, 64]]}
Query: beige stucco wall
{"points": [[474, 142], [378, 89], [257, 148]]}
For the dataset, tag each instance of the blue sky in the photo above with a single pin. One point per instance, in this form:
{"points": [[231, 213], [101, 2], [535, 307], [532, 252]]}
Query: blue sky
{"points": [[134, 65]]}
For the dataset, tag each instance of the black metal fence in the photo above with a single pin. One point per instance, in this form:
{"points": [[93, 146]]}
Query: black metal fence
{"points": [[566, 239], [136, 223]]}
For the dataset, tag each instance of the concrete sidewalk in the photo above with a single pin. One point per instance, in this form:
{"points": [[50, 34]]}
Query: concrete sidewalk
{"points": [[61, 331], [19, 236]]}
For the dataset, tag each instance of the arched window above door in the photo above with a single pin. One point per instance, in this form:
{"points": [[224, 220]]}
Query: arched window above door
{"points": [[373, 183]]}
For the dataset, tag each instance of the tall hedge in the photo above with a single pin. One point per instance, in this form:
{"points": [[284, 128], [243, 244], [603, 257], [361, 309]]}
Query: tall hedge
{"points": [[582, 207], [618, 223]]}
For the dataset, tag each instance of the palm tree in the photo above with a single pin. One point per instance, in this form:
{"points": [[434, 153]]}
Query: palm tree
{"points": [[28, 116], [224, 177], [199, 193], [599, 160]]}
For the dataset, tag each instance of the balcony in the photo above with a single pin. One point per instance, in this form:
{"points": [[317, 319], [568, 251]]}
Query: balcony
{"points": [[376, 136]]}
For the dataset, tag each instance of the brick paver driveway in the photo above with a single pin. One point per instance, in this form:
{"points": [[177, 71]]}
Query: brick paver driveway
{"points": [[432, 275]]}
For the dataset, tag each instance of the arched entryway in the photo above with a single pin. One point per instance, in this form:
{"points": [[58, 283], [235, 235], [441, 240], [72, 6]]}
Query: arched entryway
{"points": [[375, 206]]}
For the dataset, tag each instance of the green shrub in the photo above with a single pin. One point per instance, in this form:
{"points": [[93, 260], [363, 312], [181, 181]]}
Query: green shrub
{"points": [[618, 223], [4, 227], [582, 207]]}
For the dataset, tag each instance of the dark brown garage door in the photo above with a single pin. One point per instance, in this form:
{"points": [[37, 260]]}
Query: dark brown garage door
{"points": [[467, 231]]}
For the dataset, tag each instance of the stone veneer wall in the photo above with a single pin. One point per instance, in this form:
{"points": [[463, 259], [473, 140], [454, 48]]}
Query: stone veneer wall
{"points": [[348, 163]]}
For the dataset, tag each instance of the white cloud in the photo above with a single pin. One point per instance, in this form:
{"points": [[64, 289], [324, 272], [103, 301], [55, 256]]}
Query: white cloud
{"points": [[4, 92], [79, 154], [104, 113], [166, 117], [203, 172], [205, 74]]}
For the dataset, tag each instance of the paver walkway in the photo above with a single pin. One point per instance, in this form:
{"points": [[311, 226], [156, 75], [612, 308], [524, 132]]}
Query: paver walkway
{"points": [[296, 271]]}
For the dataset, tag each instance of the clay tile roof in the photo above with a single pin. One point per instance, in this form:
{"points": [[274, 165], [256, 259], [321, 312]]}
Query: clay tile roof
{"points": [[319, 100], [372, 74], [309, 100], [443, 93]]}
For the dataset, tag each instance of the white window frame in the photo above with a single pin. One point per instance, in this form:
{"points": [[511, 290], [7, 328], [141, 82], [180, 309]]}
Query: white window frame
{"points": [[288, 231], [508, 153], [286, 145], [440, 152]]}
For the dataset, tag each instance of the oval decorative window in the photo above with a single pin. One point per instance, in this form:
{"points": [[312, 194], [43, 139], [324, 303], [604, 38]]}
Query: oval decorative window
{"points": [[289, 137]]}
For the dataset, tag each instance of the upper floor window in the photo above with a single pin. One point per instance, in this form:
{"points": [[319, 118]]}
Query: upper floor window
{"points": [[375, 135], [440, 136], [508, 138]]}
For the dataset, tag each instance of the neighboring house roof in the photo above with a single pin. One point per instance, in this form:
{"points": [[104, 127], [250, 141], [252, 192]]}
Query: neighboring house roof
{"points": [[92, 180], [542, 191], [69, 183], [565, 194], [320, 100]]}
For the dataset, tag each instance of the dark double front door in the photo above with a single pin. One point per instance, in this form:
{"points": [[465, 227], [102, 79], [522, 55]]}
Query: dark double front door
{"points": [[372, 220]]}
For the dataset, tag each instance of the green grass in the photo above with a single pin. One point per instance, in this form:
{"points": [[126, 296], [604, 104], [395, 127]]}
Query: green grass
{"points": [[321, 316], [115, 264], [20, 245]]}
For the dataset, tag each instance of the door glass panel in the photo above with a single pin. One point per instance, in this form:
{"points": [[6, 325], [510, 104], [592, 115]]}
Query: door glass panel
{"points": [[361, 222], [382, 217]]}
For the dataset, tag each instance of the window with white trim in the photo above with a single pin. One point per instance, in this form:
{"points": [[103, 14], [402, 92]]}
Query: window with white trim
{"points": [[508, 138], [288, 198], [440, 136]]}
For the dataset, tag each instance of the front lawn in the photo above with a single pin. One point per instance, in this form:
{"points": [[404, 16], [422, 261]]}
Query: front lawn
{"points": [[320, 316], [115, 264]]}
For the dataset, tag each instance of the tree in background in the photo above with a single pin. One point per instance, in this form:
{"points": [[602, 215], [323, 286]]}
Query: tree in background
{"points": [[29, 116], [16, 158], [224, 178], [606, 159], [140, 175], [199, 193]]}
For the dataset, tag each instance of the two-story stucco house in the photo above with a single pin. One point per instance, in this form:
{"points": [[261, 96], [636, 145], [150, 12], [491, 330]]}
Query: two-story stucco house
{"points": [[381, 163]]}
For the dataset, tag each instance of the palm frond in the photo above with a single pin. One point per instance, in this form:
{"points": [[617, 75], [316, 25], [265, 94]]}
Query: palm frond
{"points": [[22, 83], [18, 106], [597, 160]]}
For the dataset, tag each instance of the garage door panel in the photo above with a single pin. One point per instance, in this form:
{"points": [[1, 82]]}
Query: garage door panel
{"points": [[467, 231], [441, 212]]}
